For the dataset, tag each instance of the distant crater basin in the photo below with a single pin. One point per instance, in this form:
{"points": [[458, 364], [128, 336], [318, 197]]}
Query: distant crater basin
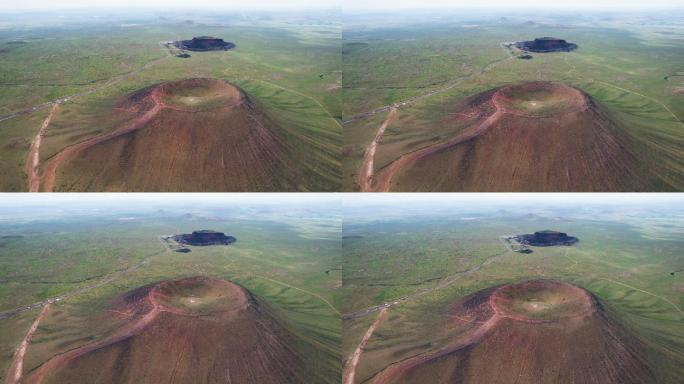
{"points": [[204, 237], [546, 238], [546, 44], [204, 44]]}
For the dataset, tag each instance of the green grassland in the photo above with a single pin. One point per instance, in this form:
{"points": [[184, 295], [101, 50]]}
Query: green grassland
{"points": [[290, 66], [618, 259], [622, 66], [291, 264]]}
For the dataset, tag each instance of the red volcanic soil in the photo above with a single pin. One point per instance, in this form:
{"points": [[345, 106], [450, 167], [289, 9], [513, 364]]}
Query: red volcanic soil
{"points": [[183, 331], [537, 136], [532, 332], [188, 135]]}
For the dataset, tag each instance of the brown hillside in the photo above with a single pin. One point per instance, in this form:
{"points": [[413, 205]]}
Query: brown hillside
{"points": [[187, 135], [537, 136], [196, 330], [532, 332]]}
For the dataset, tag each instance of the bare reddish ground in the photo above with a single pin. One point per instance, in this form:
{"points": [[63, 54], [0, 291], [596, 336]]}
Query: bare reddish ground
{"points": [[50, 170], [365, 174], [16, 369], [33, 158], [384, 178], [349, 373], [580, 344], [227, 144], [183, 331], [574, 147]]}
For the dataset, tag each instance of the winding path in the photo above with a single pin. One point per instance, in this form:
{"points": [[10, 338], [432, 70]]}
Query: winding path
{"points": [[646, 292], [302, 290], [50, 171], [108, 279], [365, 175], [123, 333], [16, 369], [385, 176], [33, 158], [88, 91], [645, 97], [350, 367], [446, 282], [131, 328], [477, 333]]}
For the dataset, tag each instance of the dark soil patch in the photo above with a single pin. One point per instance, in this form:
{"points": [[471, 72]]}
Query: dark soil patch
{"points": [[204, 44], [546, 44], [204, 237], [546, 239]]}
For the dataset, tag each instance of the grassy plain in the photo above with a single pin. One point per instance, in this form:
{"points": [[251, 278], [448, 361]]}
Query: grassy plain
{"points": [[290, 261], [432, 62], [288, 63], [421, 263]]}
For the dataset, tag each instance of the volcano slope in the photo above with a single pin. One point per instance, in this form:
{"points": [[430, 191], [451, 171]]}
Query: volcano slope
{"points": [[538, 331], [535, 136], [184, 331], [189, 135]]}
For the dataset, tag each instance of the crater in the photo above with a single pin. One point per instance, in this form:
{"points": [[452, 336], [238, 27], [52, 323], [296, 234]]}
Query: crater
{"points": [[540, 99], [546, 44], [182, 331], [532, 136], [187, 135], [518, 328], [546, 238], [541, 300], [204, 44], [199, 94], [198, 296], [204, 237]]}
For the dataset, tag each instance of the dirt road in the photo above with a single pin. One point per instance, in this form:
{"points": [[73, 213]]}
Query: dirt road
{"points": [[350, 367], [448, 87], [114, 80], [16, 369], [128, 330], [446, 282], [329, 304], [473, 336], [384, 177], [397, 368], [50, 171], [365, 175], [33, 158], [108, 279]]}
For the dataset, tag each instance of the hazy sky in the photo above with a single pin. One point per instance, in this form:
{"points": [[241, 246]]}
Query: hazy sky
{"points": [[562, 199], [616, 5], [385, 5], [166, 4], [56, 199]]}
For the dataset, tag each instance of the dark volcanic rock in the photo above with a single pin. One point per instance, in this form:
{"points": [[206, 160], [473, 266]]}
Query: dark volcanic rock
{"points": [[204, 44], [546, 239], [546, 44], [204, 237]]}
